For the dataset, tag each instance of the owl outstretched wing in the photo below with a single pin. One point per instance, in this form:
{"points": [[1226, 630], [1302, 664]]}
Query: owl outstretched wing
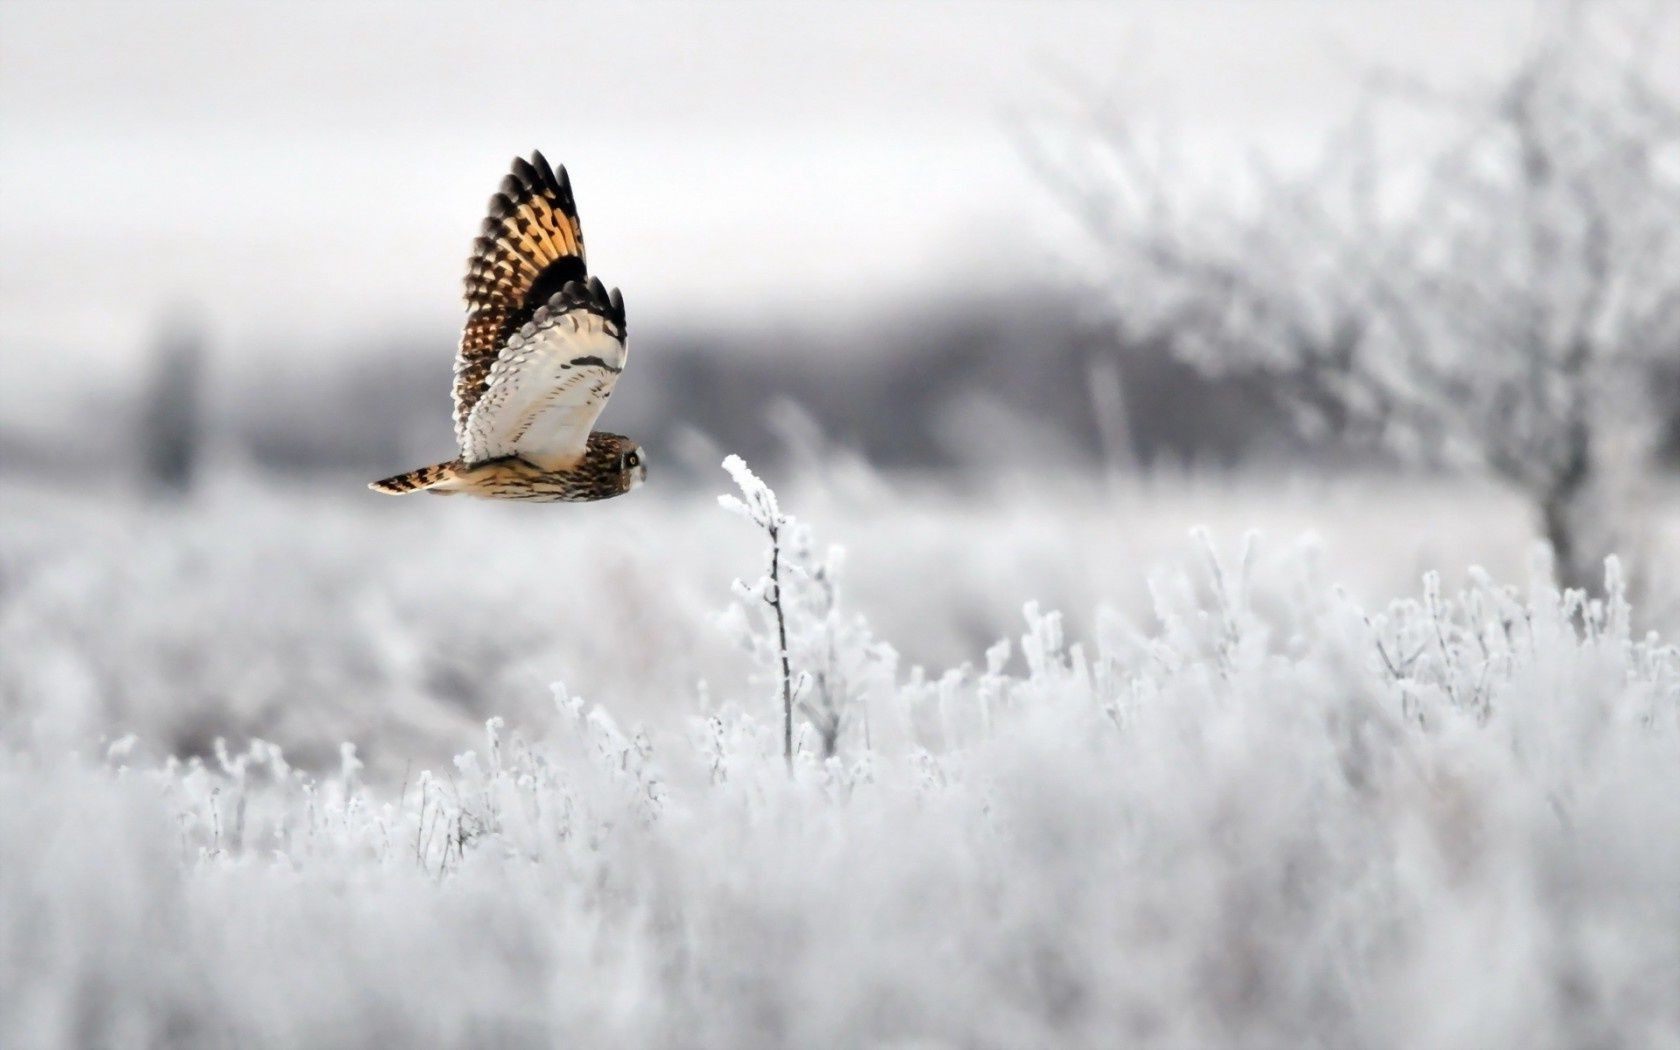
{"points": [[541, 348], [546, 388], [530, 246]]}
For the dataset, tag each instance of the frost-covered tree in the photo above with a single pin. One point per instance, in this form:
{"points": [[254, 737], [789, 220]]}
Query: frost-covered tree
{"points": [[1500, 305]]}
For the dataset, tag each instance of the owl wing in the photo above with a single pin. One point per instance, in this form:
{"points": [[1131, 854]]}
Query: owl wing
{"points": [[529, 248], [546, 388]]}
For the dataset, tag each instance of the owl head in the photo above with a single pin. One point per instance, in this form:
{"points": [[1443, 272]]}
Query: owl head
{"points": [[613, 465]]}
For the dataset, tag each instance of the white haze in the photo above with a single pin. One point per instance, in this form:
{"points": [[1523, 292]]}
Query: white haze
{"points": [[303, 174]]}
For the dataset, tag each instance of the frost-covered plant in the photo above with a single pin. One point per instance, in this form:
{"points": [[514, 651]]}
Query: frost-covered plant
{"points": [[1265, 817], [826, 662], [1254, 812], [1503, 308], [757, 503]]}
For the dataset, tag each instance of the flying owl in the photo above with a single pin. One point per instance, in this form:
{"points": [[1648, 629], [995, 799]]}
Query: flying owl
{"points": [[542, 347]]}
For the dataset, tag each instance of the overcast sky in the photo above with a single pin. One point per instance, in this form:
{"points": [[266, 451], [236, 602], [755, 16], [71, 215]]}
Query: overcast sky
{"points": [[315, 172]]}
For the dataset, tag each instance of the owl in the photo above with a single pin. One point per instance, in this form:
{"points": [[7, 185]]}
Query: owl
{"points": [[542, 347]]}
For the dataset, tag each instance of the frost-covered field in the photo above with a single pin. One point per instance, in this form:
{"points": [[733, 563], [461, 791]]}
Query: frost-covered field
{"points": [[1240, 796]]}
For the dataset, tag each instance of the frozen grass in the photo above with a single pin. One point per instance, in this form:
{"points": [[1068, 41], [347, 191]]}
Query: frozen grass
{"points": [[312, 616], [1252, 807]]}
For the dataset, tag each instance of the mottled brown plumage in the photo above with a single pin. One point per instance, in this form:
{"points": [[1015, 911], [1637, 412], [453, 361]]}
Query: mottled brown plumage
{"points": [[541, 349], [611, 466], [530, 245]]}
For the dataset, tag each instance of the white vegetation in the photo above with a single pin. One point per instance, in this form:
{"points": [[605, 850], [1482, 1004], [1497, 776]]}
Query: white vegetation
{"points": [[791, 617], [1500, 299], [1263, 816]]}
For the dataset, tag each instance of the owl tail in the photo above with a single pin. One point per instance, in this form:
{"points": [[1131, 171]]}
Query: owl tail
{"points": [[416, 480]]}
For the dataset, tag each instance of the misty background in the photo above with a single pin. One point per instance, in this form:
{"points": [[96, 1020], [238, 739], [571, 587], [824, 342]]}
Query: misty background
{"points": [[926, 267], [821, 206]]}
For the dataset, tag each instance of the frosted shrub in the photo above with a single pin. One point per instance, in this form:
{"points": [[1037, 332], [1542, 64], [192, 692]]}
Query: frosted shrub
{"points": [[1491, 290], [1266, 817], [826, 664]]}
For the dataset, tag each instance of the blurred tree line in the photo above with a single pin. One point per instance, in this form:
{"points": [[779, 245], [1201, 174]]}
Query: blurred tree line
{"points": [[942, 386]]}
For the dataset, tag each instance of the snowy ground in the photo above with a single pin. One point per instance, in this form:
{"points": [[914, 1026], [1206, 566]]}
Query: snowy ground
{"points": [[1237, 797]]}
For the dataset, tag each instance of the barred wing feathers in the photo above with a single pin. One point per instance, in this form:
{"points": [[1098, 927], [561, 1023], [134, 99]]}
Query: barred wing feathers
{"points": [[544, 391], [529, 249]]}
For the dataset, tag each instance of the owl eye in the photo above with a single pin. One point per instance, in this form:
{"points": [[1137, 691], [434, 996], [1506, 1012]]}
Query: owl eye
{"points": [[631, 460]]}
